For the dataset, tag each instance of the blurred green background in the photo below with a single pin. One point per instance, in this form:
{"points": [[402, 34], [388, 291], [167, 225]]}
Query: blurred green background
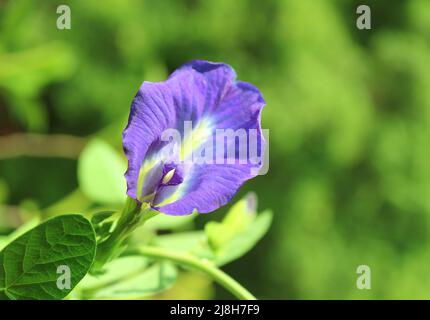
{"points": [[348, 112]]}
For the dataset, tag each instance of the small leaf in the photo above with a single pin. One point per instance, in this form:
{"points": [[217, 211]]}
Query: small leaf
{"points": [[102, 223], [239, 231], [237, 219], [103, 231], [166, 222], [244, 241], [194, 242], [114, 271], [101, 216], [31, 262], [101, 173], [130, 277]]}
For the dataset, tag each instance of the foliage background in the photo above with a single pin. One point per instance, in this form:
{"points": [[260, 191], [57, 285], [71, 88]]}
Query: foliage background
{"points": [[348, 113]]}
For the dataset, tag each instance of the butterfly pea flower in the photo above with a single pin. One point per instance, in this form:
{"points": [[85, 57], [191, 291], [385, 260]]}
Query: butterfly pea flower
{"points": [[200, 102]]}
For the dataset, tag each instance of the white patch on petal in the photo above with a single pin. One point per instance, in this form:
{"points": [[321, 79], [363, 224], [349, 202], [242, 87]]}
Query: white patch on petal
{"points": [[195, 137]]}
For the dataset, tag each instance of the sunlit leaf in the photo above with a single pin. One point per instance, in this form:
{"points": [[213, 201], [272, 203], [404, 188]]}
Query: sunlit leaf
{"points": [[166, 222], [101, 173], [101, 216], [130, 277], [244, 241], [239, 231], [194, 242], [240, 215]]}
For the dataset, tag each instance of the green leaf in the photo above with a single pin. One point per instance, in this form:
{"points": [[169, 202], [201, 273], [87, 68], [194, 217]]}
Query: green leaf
{"points": [[114, 271], [239, 231], [237, 219], [31, 262], [194, 242], [3, 241], [166, 222], [101, 216], [128, 278], [244, 241], [102, 223], [101, 173]]}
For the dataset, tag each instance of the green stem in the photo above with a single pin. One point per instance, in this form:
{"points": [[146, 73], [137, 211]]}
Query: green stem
{"points": [[132, 216], [204, 266]]}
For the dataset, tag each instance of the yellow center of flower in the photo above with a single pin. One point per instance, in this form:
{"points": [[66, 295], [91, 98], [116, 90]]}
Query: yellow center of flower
{"points": [[168, 176]]}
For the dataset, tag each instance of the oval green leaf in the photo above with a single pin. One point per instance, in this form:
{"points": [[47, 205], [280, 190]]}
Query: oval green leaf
{"points": [[101, 173], [48, 261]]}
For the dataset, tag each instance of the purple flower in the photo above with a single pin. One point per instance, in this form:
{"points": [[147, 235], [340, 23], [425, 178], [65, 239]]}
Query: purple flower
{"points": [[203, 104]]}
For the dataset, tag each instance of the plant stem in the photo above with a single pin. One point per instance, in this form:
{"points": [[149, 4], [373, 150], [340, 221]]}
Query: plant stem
{"points": [[132, 216], [204, 266]]}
